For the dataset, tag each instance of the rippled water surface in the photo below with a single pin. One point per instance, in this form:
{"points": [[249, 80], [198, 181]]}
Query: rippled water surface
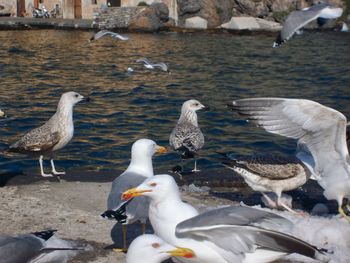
{"points": [[36, 67]]}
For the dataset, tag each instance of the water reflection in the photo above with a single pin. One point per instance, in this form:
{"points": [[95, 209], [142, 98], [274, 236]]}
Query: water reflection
{"points": [[37, 66]]}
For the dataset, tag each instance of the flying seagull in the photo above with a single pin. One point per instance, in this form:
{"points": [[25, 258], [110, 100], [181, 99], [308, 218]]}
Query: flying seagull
{"points": [[152, 249], [187, 138], [33, 248], [298, 19], [53, 135], [321, 135], [230, 234], [270, 173], [103, 33], [139, 169], [149, 65]]}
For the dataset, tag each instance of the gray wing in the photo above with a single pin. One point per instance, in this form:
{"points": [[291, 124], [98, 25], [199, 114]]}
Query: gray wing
{"points": [[239, 230], [102, 33], [38, 140], [296, 20], [188, 136], [320, 128], [162, 66], [118, 36], [143, 60], [19, 249], [138, 207], [273, 167]]}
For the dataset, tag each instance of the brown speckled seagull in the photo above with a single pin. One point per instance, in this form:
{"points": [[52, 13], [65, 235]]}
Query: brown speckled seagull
{"points": [[53, 135]]}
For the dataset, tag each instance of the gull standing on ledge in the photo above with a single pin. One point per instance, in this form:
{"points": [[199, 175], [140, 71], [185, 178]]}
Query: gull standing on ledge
{"points": [[298, 19], [152, 249], [139, 169], [320, 131], [150, 65], [271, 173], [53, 135], [225, 235], [103, 33], [187, 138]]}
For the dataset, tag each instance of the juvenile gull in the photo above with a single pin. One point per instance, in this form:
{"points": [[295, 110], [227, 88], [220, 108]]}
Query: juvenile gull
{"points": [[53, 135], [224, 235], [152, 249], [139, 169], [32, 248], [187, 138], [298, 19], [321, 134], [150, 65], [271, 173], [103, 33]]}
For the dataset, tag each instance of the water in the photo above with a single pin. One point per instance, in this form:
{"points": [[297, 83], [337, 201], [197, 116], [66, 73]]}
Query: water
{"points": [[37, 66]]}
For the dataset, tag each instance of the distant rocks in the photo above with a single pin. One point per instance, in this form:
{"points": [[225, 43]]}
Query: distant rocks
{"points": [[251, 23], [196, 23]]}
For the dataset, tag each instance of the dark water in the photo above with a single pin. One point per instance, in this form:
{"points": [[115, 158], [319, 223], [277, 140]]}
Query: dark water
{"points": [[37, 66]]}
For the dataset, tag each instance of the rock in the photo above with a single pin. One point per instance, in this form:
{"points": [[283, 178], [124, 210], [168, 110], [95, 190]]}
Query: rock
{"points": [[268, 25], [196, 23], [188, 6], [151, 18], [209, 11], [256, 8], [283, 5], [241, 23]]}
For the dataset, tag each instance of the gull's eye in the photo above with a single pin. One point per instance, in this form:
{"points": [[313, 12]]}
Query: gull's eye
{"points": [[155, 245], [76, 95], [196, 104], [153, 184]]}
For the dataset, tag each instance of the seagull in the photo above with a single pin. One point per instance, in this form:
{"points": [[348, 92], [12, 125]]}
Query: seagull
{"points": [[103, 33], [33, 248], [271, 173], [53, 135], [298, 19], [223, 235], [2, 114], [152, 249], [187, 138], [139, 169], [150, 65], [321, 135]]}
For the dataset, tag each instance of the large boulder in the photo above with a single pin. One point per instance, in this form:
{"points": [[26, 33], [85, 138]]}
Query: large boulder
{"points": [[268, 25], [151, 18], [188, 6], [242, 23], [196, 23]]}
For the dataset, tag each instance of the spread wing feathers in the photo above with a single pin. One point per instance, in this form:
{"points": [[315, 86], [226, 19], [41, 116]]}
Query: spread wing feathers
{"points": [[320, 128], [137, 207], [297, 20], [143, 60], [40, 139], [186, 137], [243, 230], [269, 166]]}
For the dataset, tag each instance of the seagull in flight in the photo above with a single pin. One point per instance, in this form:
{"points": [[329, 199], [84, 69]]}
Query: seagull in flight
{"points": [[149, 65], [103, 33]]}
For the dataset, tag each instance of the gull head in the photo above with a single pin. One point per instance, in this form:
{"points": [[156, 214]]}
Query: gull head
{"points": [[158, 188], [71, 98], [146, 147], [192, 105], [152, 249]]}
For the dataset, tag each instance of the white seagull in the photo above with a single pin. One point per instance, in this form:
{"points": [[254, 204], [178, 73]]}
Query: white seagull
{"points": [[187, 138], [224, 235], [298, 19], [149, 65], [55, 134], [321, 135], [152, 249], [103, 33], [139, 169]]}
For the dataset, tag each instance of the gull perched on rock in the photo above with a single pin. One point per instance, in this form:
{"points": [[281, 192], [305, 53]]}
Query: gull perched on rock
{"points": [[152, 249], [53, 135], [187, 138], [321, 135], [224, 235], [298, 19], [150, 65], [35, 248], [139, 169], [271, 173], [103, 33]]}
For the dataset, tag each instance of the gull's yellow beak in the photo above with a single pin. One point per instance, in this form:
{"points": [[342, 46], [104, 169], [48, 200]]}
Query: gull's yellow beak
{"points": [[161, 149], [181, 252], [133, 192]]}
